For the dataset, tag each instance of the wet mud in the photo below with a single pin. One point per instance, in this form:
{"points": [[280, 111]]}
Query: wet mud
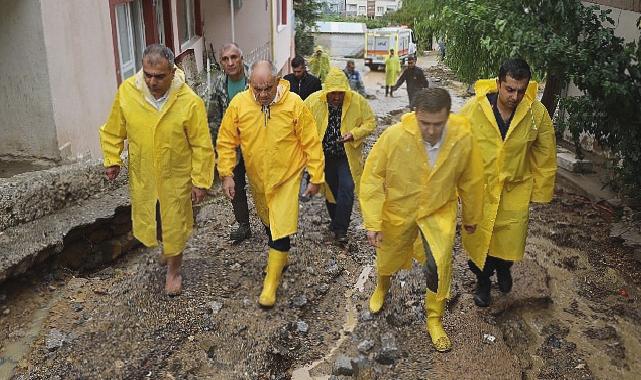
{"points": [[573, 312]]}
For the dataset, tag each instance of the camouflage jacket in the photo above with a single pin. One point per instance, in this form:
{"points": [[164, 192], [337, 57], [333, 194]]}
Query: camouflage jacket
{"points": [[218, 100]]}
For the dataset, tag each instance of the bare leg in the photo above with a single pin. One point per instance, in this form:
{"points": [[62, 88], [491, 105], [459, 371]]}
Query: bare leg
{"points": [[173, 281]]}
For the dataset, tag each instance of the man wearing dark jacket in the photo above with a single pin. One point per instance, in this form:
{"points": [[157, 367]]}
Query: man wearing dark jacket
{"points": [[225, 85], [300, 81], [415, 79]]}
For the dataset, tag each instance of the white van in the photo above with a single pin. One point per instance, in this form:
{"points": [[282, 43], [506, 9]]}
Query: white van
{"points": [[378, 42]]}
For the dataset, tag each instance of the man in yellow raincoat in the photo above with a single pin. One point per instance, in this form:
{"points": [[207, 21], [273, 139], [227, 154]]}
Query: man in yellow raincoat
{"points": [[343, 120], [413, 178], [319, 63], [392, 70], [517, 141], [171, 157], [277, 137]]}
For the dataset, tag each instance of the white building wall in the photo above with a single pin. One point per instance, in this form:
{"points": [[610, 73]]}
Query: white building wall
{"points": [[27, 127], [283, 38], [80, 62], [252, 26], [361, 7]]}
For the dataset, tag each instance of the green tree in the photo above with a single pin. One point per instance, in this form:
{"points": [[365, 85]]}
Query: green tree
{"points": [[414, 13], [481, 34], [564, 41], [307, 13], [371, 23]]}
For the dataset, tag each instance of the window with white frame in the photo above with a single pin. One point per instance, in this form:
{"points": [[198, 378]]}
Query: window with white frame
{"points": [[130, 28], [281, 12], [186, 14], [362, 10], [160, 21]]}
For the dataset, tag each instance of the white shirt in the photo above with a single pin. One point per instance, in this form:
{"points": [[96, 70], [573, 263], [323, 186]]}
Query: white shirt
{"points": [[157, 103], [433, 150]]}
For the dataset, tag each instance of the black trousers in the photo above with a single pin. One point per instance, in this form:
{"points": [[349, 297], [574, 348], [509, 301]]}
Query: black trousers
{"points": [[282, 244], [430, 270], [339, 179], [491, 264], [239, 203]]}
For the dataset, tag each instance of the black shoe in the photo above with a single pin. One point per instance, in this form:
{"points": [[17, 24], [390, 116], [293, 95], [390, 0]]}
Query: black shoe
{"points": [[341, 237], [241, 233], [504, 279], [482, 294]]}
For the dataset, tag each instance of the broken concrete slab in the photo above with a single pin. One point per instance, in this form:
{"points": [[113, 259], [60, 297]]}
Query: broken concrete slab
{"points": [[30, 243], [29, 196], [570, 163], [626, 232]]}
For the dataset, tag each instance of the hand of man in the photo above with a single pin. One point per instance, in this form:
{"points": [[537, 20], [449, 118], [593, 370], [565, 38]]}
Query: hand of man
{"points": [[348, 137], [312, 189], [197, 194], [112, 172], [470, 228], [229, 187], [375, 238]]}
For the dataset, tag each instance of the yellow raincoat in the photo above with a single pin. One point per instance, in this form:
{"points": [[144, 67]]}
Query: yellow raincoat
{"points": [[169, 152], [401, 194], [392, 70], [518, 171], [276, 146], [357, 118], [319, 66]]}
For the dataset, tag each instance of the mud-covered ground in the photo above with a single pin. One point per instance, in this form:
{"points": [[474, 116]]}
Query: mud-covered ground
{"points": [[573, 312]]}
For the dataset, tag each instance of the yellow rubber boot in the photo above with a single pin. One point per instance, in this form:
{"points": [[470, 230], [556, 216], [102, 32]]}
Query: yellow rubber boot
{"points": [[276, 261], [434, 310], [383, 284]]}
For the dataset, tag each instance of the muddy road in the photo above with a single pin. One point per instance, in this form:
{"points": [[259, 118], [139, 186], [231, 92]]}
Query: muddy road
{"points": [[573, 313]]}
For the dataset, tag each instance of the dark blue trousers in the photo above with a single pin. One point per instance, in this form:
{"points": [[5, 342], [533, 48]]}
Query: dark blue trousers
{"points": [[340, 181]]}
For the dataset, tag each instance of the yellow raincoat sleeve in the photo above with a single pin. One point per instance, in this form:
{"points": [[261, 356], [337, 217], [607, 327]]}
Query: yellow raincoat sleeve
{"points": [[203, 157], [372, 193], [543, 161], [305, 129], [470, 185], [228, 141], [368, 122], [113, 134]]}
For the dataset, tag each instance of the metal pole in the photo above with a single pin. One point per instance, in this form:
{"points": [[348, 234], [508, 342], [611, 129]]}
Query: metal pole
{"points": [[233, 26]]}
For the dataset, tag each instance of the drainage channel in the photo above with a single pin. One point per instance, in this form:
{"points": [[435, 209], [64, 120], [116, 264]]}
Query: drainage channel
{"points": [[84, 249], [351, 319]]}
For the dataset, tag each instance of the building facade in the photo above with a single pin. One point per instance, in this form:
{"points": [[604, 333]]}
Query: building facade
{"points": [[64, 59], [333, 7], [371, 8]]}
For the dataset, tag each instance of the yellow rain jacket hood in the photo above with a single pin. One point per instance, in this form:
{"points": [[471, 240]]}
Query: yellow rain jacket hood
{"points": [[357, 118], [319, 65], [518, 171], [401, 194], [277, 144], [392, 69], [169, 151]]}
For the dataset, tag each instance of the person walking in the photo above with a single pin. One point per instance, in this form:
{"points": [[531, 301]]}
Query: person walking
{"points": [[171, 157]]}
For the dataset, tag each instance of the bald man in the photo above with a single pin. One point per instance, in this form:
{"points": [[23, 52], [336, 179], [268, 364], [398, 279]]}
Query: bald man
{"points": [[277, 136]]}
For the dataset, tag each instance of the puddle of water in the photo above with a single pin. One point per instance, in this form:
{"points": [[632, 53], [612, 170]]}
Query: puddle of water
{"points": [[362, 278], [14, 352], [351, 319]]}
